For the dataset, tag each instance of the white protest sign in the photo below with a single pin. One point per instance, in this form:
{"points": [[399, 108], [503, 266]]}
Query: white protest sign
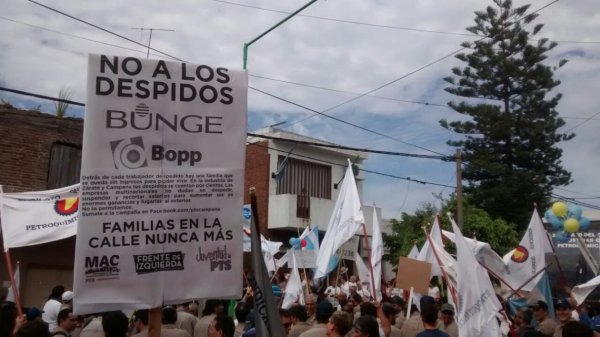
{"points": [[161, 184]]}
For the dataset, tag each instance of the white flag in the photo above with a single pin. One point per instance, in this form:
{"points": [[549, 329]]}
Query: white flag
{"points": [[477, 302], [10, 296], [483, 253], [582, 291], [523, 262], [269, 249], [426, 254], [414, 252], [32, 218], [345, 221], [283, 260], [376, 255], [293, 289], [363, 272], [447, 263]]}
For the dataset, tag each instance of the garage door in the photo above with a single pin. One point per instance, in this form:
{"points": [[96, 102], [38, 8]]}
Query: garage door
{"points": [[40, 281]]}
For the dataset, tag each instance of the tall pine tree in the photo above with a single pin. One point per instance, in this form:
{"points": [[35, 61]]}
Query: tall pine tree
{"points": [[510, 137]]}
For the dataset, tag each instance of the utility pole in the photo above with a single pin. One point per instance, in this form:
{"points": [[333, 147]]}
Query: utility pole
{"points": [[246, 45], [459, 190], [150, 38]]}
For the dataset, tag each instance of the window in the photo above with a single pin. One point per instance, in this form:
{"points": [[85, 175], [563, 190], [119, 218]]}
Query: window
{"points": [[65, 165], [304, 178]]}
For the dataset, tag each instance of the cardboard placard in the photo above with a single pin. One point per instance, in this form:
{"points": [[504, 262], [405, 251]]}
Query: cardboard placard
{"points": [[413, 273]]}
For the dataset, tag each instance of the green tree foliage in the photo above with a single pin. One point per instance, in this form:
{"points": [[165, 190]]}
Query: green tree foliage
{"points": [[478, 224], [509, 145], [407, 231]]}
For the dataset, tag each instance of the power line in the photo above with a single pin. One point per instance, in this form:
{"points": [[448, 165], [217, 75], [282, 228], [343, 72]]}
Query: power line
{"points": [[576, 192], [347, 92], [178, 59], [342, 147], [585, 121], [344, 122], [345, 21], [41, 96], [254, 135], [320, 113], [575, 201], [426, 103], [105, 30], [387, 26], [587, 118], [419, 69], [73, 36], [423, 182]]}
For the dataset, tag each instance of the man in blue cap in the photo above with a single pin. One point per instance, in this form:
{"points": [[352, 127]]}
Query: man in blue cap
{"points": [[563, 313], [546, 325]]}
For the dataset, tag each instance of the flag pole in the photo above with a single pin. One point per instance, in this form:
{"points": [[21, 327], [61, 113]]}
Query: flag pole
{"points": [[364, 228], [337, 277], [529, 279], [562, 279], [12, 281], [444, 274], [496, 276]]}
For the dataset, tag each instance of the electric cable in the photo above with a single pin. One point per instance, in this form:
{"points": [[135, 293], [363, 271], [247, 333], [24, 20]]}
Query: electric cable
{"points": [[74, 36], [344, 122], [342, 147], [423, 182], [104, 30]]}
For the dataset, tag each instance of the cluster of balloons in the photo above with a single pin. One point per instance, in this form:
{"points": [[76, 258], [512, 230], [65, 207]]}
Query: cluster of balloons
{"points": [[566, 219], [297, 243]]}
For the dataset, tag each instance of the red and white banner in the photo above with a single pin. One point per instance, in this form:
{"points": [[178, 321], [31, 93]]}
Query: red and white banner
{"points": [[33, 218]]}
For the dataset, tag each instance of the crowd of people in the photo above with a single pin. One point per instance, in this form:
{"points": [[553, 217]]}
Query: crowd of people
{"points": [[344, 308]]}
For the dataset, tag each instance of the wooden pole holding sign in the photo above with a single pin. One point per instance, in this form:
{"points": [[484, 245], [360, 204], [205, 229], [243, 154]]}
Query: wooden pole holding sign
{"points": [[154, 322], [13, 285], [364, 228]]}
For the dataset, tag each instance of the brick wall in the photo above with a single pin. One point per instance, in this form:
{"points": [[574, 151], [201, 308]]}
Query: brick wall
{"points": [[257, 174], [26, 138]]}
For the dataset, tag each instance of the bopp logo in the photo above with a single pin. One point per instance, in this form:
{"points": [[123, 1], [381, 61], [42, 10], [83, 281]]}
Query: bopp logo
{"points": [[131, 154]]}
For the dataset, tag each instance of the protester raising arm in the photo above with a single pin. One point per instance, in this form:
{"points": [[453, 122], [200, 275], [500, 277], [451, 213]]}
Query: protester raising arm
{"points": [[384, 322]]}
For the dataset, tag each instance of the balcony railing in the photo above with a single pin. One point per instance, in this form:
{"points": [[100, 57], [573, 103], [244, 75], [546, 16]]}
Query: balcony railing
{"points": [[303, 206]]}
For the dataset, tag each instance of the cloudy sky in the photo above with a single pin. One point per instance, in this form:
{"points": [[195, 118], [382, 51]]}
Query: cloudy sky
{"points": [[332, 53]]}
